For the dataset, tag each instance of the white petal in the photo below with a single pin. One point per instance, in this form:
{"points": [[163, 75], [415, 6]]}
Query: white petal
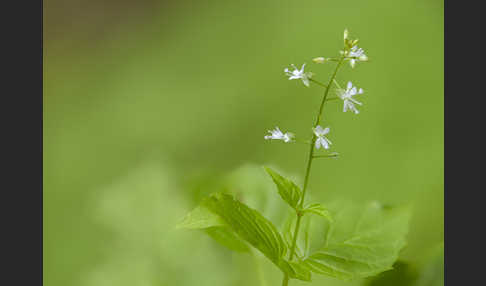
{"points": [[324, 143], [318, 144], [360, 91], [345, 106], [352, 91], [349, 85], [352, 62], [325, 131], [318, 130]]}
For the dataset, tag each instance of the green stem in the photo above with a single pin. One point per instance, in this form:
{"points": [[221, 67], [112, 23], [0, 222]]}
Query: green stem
{"points": [[308, 168], [318, 82]]}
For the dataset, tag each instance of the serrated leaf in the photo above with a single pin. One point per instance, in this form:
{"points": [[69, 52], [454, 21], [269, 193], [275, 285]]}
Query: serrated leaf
{"points": [[318, 209], [200, 218], [362, 241], [228, 238], [287, 189]]}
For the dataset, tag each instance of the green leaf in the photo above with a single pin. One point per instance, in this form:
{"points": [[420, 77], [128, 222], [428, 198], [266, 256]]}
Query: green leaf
{"points": [[200, 218], [289, 191], [318, 209], [297, 270], [362, 241], [259, 232], [228, 238], [249, 224]]}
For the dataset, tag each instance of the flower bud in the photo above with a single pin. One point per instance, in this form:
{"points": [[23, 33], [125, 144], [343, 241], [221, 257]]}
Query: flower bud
{"points": [[319, 60]]}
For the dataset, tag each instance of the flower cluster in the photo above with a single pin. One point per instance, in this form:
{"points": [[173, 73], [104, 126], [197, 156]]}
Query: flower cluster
{"points": [[350, 53]]}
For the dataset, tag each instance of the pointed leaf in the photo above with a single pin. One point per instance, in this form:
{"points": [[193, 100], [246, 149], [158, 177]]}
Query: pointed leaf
{"points": [[249, 224], [289, 191], [199, 218]]}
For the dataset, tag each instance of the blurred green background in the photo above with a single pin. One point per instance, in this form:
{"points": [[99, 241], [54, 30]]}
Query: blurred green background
{"points": [[144, 100]]}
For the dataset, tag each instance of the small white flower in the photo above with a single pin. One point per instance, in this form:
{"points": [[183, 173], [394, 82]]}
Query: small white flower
{"points": [[321, 139], [278, 135], [356, 54], [296, 74], [347, 97]]}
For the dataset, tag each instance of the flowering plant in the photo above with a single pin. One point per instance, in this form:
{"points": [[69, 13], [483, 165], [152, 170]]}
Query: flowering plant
{"points": [[345, 240]]}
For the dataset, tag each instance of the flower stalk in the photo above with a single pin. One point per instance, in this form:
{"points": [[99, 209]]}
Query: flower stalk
{"points": [[309, 165]]}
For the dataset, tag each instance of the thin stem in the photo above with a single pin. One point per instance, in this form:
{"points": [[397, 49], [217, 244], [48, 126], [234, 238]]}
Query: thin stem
{"points": [[318, 82], [326, 156], [332, 98], [308, 168]]}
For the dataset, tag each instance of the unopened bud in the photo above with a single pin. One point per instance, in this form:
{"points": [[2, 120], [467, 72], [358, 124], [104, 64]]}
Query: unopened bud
{"points": [[319, 60]]}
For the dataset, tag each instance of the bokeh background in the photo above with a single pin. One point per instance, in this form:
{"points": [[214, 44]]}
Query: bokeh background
{"points": [[144, 101]]}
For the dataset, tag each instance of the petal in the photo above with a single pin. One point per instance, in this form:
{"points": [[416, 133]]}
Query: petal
{"points": [[318, 144], [345, 106], [318, 130], [326, 130], [360, 91], [324, 143], [349, 85]]}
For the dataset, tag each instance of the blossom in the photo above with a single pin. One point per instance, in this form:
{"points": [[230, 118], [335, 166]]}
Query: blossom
{"points": [[321, 139], [347, 97], [278, 135], [356, 54], [296, 74]]}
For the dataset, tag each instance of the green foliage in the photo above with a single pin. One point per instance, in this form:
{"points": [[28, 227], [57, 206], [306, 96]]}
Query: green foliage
{"points": [[287, 189], [249, 224], [200, 218], [344, 241], [228, 238], [361, 242], [318, 209]]}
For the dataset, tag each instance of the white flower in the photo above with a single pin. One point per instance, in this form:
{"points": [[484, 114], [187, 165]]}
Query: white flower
{"points": [[278, 135], [321, 139], [347, 97], [356, 55], [296, 74]]}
